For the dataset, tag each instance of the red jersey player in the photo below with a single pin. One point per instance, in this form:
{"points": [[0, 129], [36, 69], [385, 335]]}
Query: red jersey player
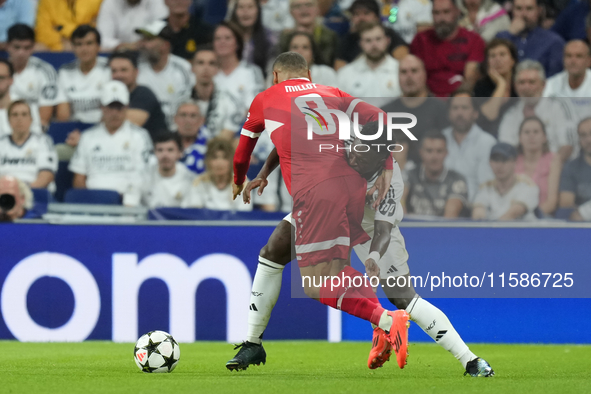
{"points": [[329, 196]]}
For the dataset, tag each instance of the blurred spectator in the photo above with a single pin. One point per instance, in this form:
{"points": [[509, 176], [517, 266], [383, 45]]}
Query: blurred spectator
{"points": [[305, 14], [509, 196], [575, 80], [223, 113], [432, 189], [537, 162], [169, 76], [558, 117], [118, 20], [258, 41], [570, 23], [188, 31], [430, 112], [13, 12], [408, 17], [144, 109], [24, 155], [498, 83], [485, 17], [113, 155], [168, 180], [16, 197], [236, 77], [57, 20], [303, 43], [575, 180], [34, 79], [451, 53], [333, 17], [276, 16], [532, 41], [6, 97], [80, 82], [468, 145], [373, 74], [367, 11], [213, 189], [193, 134]]}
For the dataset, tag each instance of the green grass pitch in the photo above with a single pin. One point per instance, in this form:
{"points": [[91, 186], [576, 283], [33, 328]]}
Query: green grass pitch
{"points": [[292, 367]]}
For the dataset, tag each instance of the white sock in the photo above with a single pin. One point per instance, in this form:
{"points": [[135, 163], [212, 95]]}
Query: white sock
{"points": [[385, 321], [265, 291], [436, 324]]}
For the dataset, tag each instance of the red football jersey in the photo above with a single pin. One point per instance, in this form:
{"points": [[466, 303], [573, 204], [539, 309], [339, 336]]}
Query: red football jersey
{"points": [[282, 110]]}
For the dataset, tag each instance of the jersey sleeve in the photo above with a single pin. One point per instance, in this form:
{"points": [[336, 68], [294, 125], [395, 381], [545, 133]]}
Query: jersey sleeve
{"points": [[78, 162], [251, 131], [49, 89], [386, 211], [47, 156]]}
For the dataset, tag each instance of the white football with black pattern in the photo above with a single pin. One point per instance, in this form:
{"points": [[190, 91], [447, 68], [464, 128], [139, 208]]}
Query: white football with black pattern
{"points": [[156, 352]]}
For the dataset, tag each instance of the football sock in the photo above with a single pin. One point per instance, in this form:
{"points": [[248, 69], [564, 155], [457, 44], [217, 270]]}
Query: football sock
{"points": [[436, 324], [265, 291], [348, 298]]}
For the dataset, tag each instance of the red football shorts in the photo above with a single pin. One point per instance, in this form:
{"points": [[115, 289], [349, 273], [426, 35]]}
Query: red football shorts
{"points": [[327, 220]]}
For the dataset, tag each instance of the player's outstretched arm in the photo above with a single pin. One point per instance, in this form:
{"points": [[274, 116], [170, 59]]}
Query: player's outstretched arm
{"points": [[382, 185], [379, 245], [260, 181]]}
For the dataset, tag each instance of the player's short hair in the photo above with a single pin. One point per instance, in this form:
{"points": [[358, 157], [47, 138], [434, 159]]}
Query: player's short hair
{"points": [[203, 48], [15, 103], [367, 26], [82, 30], [433, 135], [237, 36], [166, 136], [9, 65], [313, 46], [292, 63], [127, 55], [371, 128], [20, 31]]}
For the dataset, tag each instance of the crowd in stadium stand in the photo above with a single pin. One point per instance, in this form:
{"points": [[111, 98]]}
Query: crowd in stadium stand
{"points": [[157, 91]]}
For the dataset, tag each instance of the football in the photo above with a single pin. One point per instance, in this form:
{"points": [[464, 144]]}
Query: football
{"points": [[156, 352]]}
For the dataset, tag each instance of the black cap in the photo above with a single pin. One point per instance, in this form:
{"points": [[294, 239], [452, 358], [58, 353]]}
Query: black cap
{"points": [[371, 5], [503, 151]]}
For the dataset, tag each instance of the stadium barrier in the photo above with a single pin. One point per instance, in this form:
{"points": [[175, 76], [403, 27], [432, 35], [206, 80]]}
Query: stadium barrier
{"points": [[115, 282]]}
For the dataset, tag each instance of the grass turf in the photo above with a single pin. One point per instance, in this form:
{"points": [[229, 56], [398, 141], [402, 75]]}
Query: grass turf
{"points": [[292, 367]]}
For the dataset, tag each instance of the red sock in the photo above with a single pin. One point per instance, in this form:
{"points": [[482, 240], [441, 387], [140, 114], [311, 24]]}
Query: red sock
{"points": [[352, 301], [365, 290]]}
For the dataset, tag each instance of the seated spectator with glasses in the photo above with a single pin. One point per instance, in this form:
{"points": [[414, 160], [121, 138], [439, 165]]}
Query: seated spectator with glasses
{"points": [[509, 196]]}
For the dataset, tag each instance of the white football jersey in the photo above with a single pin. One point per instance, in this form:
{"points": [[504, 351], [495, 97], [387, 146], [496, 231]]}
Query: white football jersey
{"points": [[37, 83], [169, 191], [27, 160], [171, 86], [244, 83], [83, 92], [114, 161]]}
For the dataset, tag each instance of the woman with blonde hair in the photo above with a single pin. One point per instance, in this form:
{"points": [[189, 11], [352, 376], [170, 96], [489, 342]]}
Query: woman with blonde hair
{"points": [[213, 189], [536, 161]]}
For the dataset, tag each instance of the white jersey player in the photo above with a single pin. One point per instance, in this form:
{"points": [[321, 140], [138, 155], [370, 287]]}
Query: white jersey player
{"points": [[83, 91], [167, 191]]}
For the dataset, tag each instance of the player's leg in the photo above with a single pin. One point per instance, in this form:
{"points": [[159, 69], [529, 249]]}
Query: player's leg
{"points": [[398, 287], [266, 285]]}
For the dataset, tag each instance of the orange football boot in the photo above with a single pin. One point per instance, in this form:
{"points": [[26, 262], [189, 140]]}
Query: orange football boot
{"points": [[398, 335], [381, 349]]}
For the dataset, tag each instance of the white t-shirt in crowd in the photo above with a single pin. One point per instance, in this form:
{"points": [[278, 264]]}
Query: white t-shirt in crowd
{"points": [[580, 98], [244, 83], [359, 80], [204, 194], [117, 20], [410, 13], [83, 91], [27, 160], [558, 117], [471, 158], [37, 84], [222, 112], [171, 86], [167, 191], [114, 161], [276, 15], [524, 191]]}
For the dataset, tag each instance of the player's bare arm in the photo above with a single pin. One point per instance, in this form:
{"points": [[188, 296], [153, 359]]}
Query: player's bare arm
{"points": [[379, 245], [382, 185]]}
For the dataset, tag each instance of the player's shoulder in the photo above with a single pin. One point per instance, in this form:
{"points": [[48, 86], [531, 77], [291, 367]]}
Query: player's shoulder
{"points": [[455, 176], [179, 63], [93, 132], [523, 179], [102, 62], [69, 67], [200, 180], [5, 139], [137, 131], [40, 65]]}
